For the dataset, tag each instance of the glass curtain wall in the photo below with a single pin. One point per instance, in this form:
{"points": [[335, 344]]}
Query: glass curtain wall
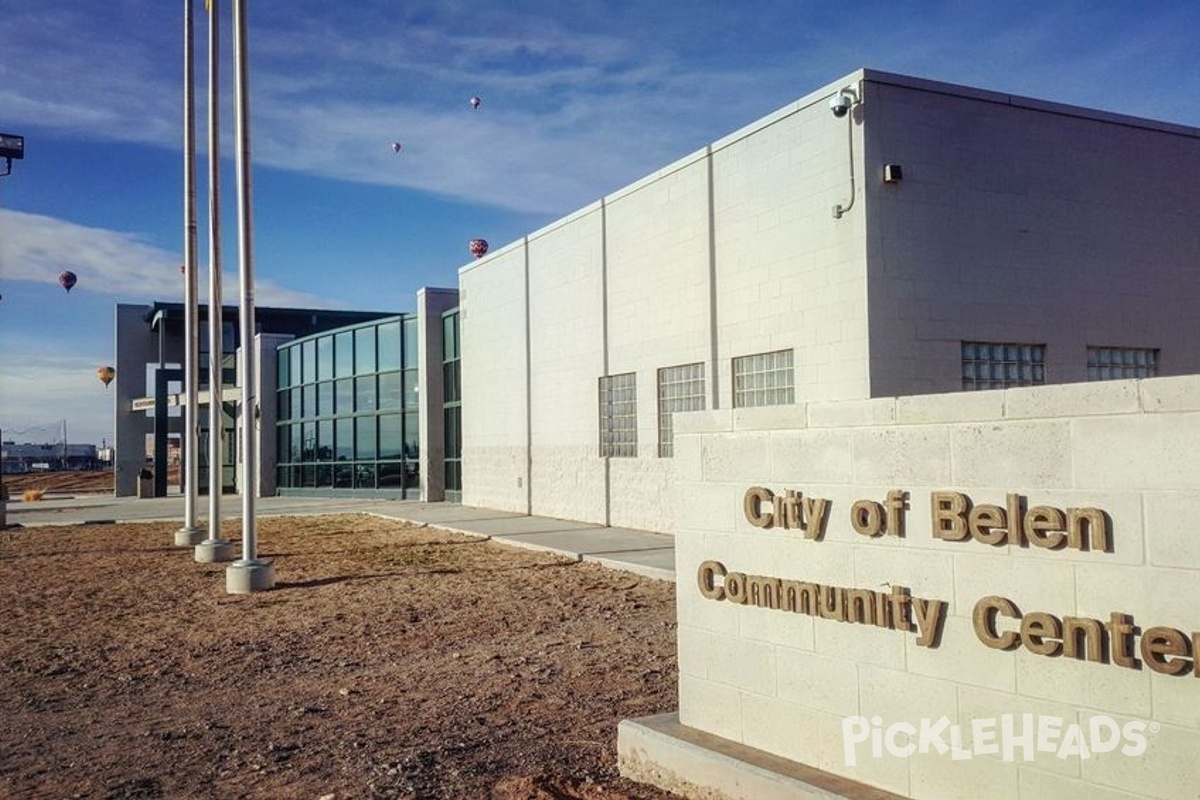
{"points": [[347, 411]]}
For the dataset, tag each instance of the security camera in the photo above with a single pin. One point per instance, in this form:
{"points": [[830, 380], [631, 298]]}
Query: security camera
{"points": [[839, 104]]}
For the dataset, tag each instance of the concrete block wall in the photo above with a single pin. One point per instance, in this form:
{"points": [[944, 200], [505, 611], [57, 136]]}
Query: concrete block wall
{"points": [[1022, 221], [431, 304], [659, 315], [730, 251], [566, 320], [788, 274], [787, 682], [495, 368]]}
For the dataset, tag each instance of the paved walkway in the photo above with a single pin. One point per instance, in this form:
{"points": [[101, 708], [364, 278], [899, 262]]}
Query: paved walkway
{"points": [[642, 552]]}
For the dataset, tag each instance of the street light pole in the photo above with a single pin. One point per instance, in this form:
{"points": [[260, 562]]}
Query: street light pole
{"points": [[190, 535], [249, 573], [3, 493], [11, 146]]}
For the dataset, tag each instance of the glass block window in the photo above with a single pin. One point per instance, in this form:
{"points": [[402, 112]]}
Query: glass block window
{"points": [[618, 415], [679, 389], [991, 365], [764, 379], [1116, 363]]}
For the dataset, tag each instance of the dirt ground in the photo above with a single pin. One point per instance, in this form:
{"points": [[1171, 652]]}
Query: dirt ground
{"points": [[92, 482], [390, 661]]}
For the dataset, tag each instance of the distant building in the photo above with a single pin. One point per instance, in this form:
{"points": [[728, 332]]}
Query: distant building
{"points": [[52, 457], [342, 398]]}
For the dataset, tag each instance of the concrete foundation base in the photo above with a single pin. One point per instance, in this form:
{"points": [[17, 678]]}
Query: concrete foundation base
{"points": [[245, 576], [189, 537], [662, 752], [211, 551]]}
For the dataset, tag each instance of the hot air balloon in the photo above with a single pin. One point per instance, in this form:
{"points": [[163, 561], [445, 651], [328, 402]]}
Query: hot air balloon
{"points": [[67, 279], [479, 247], [106, 375], [397, 147], [475, 101]]}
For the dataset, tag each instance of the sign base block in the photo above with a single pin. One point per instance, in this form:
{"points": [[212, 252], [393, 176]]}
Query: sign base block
{"points": [[662, 752]]}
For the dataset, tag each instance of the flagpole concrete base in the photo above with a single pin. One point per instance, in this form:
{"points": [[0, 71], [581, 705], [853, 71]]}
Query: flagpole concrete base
{"points": [[188, 537], [249, 575], [213, 550]]}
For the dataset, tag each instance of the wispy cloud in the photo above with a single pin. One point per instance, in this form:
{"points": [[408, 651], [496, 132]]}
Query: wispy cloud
{"points": [[570, 112], [62, 71], [36, 247], [116, 263], [36, 396]]}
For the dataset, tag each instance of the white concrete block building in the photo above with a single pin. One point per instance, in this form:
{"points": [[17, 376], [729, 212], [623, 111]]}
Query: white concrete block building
{"points": [[926, 238]]}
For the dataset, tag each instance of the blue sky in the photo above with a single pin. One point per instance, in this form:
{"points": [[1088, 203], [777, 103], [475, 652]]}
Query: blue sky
{"points": [[579, 99]]}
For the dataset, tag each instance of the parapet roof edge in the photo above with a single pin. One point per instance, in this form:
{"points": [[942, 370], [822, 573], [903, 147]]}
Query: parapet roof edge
{"points": [[863, 74], [436, 290], [171, 305], [1022, 101], [590, 208]]}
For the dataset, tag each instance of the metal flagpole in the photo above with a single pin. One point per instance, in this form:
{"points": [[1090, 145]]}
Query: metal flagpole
{"points": [[249, 573], [214, 548], [190, 535]]}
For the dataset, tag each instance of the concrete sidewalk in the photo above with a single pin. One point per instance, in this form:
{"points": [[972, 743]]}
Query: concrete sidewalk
{"points": [[642, 552]]}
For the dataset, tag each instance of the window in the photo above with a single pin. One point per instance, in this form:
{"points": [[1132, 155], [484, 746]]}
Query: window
{"points": [[309, 408], [341, 415], [364, 438], [389, 390], [990, 365], [325, 398], [618, 415], [412, 392], [364, 351], [389, 346], [1115, 363], [345, 396], [294, 362], [366, 395], [411, 351], [451, 405], [324, 359], [343, 347], [325, 440], [390, 438], [765, 379], [679, 389], [309, 357], [344, 450]]}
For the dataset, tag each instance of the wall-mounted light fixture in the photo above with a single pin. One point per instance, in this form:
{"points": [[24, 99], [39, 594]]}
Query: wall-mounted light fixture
{"points": [[840, 105], [892, 173]]}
